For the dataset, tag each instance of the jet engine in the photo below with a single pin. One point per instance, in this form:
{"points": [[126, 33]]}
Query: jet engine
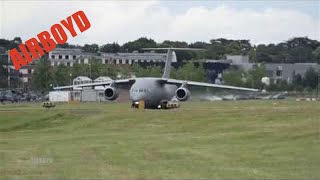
{"points": [[111, 93], [182, 94]]}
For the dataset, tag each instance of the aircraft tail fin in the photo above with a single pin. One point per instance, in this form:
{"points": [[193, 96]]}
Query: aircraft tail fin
{"points": [[171, 57]]}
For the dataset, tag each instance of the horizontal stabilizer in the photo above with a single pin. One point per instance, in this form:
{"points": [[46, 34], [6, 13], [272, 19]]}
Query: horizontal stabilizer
{"points": [[182, 49]]}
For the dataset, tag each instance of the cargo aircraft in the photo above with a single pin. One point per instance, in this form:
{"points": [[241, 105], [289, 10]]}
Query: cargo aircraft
{"points": [[155, 92]]}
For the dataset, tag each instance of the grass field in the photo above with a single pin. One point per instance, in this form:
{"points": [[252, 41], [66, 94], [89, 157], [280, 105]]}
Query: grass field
{"points": [[233, 140]]}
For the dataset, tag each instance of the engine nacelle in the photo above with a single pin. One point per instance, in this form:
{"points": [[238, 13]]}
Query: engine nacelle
{"points": [[111, 93], [182, 94]]}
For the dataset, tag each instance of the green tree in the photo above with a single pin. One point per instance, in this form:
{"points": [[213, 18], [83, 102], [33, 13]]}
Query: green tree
{"points": [[3, 77], [254, 77], [149, 71], [109, 70], [234, 77], [93, 48], [61, 75], [79, 70], [67, 45], [297, 82], [316, 54], [93, 69], [181, 55], [111, 48], [311, 78], [300, 55], [190, 71], [138, 44], [42, 76]]}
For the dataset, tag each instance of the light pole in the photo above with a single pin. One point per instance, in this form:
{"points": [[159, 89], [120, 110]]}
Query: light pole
{"points": [[90, 69], [9, 84], [317, 93], [8, 67], [70, 75]]}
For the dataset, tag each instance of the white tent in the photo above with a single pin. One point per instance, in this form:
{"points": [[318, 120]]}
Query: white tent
{"points": [[81, 80], [101, 79]]}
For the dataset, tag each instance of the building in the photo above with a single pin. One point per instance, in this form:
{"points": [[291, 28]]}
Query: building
{"points": [[237, 59], [277, 72], [69, 57], [85, 94], [286, 72], [64, 56], [130, 58], [18, 78]]}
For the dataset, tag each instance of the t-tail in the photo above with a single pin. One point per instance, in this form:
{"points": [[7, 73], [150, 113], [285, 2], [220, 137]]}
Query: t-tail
{"points": [[171, 57]]}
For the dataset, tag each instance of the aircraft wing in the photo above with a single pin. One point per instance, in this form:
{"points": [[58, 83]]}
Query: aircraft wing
{"points": [[106, 83], [194, 83]]}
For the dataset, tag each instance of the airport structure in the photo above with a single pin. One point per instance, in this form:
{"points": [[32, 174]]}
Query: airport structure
{"points": [[84, 94], [277, 72], [69, 57]]}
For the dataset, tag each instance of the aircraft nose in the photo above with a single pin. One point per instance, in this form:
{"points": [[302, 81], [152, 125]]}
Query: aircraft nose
{"points": [[136, 97]]}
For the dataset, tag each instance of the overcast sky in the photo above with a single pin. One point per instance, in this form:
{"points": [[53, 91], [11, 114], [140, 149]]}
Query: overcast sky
{"points": [[258, 21]]}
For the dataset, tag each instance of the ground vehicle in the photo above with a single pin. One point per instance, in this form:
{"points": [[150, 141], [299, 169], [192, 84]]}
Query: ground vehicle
{"points": [[8, 96], [2, 96]]}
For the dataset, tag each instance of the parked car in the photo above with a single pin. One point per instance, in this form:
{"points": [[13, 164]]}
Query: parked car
{"points": [[10, 96], [2, 96]]}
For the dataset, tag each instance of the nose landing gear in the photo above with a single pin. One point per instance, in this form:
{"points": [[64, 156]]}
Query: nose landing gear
{"points": [[138, 105]]}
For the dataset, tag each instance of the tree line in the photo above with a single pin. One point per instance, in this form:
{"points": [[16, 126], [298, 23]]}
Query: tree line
{"points": [[294, 50]]}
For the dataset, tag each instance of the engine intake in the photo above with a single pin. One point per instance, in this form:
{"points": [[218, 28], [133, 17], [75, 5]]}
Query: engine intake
{"points": [[182, 94], [111, 93]]}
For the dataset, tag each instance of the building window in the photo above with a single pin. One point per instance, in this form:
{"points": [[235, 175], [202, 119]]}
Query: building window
{"points": [[68, 63], [74, 57], [127, 61], [29, 71], [114, 61], [60, 56], [52, 56], [67, 56], [278, 73]]}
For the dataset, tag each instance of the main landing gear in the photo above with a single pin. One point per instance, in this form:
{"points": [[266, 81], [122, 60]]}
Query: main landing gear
{"points": [[168, 105]]}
